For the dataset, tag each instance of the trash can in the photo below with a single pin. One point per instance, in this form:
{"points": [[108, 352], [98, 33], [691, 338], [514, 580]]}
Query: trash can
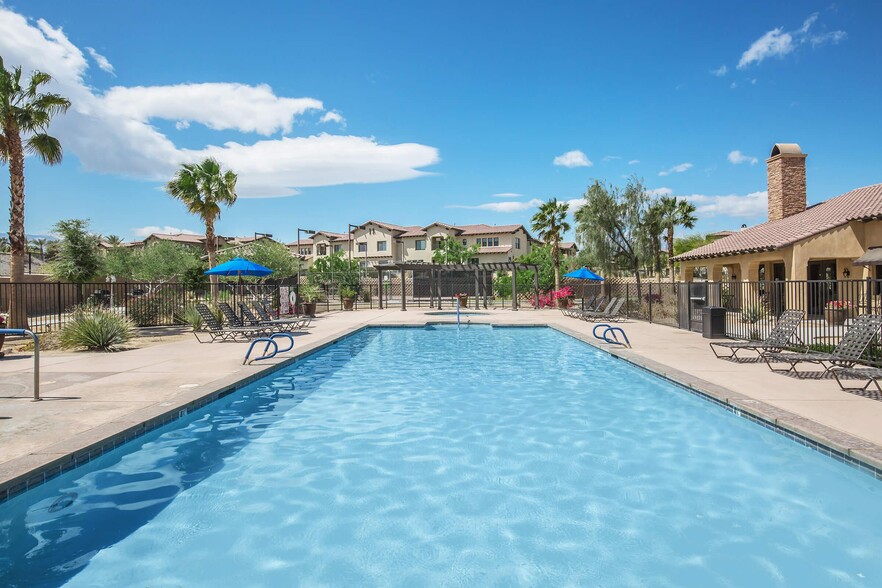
{"points": [[713, 322]]}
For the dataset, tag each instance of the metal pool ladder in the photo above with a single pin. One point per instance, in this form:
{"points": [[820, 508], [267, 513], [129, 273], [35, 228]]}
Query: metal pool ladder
{"points": [[611, 331], [271, 349], [36, 339]]}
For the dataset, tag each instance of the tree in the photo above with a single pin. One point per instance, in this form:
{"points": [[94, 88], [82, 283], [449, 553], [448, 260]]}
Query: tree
{"points": [[612, 226], [24, 110], [672, 212], [267, 253], [451, 250], [549, 223], [78, 258], [336, 268], [161, 262], [40, 245], [541, 256], [203, 188], [690, 242], [114, 240]]}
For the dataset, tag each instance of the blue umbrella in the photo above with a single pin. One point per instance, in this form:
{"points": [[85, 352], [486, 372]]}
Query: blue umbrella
{"points": [[239, 267], [583, 274]]}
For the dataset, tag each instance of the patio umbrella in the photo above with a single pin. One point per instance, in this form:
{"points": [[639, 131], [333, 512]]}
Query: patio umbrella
{"points": [[583, 273], [239, 267]]}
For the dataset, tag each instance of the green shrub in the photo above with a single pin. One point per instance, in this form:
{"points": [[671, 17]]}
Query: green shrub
{"points": [[753, 314], [151, 310], [190, 317], [96, 328]]}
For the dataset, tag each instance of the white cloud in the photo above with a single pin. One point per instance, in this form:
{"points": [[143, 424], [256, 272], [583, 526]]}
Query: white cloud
{"points": [[677, 169], [514, 206], [333, 116], [101, 61], [778, 42], [610, 157], [508, 195], [114, 132], [149, 230], [573, 158], [720, 71], [750, 205], [733, 85], [634, 162], [576, 204], [737, 157]]}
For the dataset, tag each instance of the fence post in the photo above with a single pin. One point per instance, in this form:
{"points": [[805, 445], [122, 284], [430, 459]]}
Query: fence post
{"points": [[627, 300], [869, 295], [650, 303]]}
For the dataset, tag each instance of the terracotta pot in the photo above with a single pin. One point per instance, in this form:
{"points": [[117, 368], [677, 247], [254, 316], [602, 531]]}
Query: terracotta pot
{"points": [[463, 301], [836, 316], [347, 303], [2, 339], [308, 308], [563, 302]]}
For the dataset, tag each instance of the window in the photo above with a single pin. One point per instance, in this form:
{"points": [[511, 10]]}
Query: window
{"points": [[517, 242], [420, 244], [381, 246], [487, 241], [699, 273], [362, 247], [473, 260], [465, 243], [322, 249], [305, 251], [338, 248]]}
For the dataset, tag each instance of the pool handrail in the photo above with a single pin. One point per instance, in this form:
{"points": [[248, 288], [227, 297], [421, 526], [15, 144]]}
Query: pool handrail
{"points": [[611, 331], [270, 342], [23, 332]]}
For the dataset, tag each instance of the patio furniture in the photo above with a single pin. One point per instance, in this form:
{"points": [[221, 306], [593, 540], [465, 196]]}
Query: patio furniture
{"points": [[846, 354], [281, 325], [217, 332], [871, 374], [611, 313], [580, 314], [785, 329], [263, 311]]}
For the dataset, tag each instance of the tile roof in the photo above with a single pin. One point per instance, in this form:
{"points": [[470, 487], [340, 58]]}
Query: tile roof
{"points": [[299, 243], [495, 249], [416, 231], [568, 245], [489, 229], [334, 236], [860, 204], [178, 238]]}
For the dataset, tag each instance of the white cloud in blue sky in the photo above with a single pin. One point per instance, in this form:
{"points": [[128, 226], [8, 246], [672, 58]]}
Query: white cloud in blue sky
{"points": [[778, 43], [574, 158], [677, 169], [737, 157]]}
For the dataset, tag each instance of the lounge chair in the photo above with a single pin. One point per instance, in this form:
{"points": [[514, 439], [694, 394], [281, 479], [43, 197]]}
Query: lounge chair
{"points": [[846, 354], [263, 311], [611, 313], [581, 314], [785, 329], [872, 374], [281, 325], [217, 332], [594, 305]]}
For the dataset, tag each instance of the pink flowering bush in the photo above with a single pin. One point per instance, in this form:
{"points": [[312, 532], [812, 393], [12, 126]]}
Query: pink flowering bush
{"points": [[840, 304], [551, 298]]}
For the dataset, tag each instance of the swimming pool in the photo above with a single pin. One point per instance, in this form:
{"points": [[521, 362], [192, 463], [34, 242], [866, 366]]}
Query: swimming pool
{"points": [[443, 456]]}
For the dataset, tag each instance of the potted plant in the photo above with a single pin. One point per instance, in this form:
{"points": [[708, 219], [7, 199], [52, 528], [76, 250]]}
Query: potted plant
{"points": [[463, 298], [348, 295], [563, 296], [3, 319], [836, 312], [309, 295]]}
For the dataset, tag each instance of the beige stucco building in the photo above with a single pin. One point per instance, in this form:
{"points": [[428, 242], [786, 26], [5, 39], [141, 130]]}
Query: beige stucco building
{"points": [[375, 242], [838, 239]]}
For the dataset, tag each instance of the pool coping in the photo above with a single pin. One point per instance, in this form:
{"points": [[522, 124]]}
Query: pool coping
{"points": [[23, 473]]}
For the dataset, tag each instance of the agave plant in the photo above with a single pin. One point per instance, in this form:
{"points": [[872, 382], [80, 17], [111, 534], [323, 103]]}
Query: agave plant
{"points": [[96, 328]]}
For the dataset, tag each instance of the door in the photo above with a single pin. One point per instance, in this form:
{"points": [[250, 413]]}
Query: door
{"points": [[822, 285]]}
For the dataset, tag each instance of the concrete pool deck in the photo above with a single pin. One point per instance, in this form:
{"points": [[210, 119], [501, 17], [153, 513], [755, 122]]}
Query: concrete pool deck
{"points": [[92, 398]]}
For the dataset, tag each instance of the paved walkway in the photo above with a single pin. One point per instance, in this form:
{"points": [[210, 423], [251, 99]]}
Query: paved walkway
{"points": [[90, 397]]}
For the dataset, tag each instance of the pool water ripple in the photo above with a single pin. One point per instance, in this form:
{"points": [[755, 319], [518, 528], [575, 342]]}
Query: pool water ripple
{"points": [[444, 457]]}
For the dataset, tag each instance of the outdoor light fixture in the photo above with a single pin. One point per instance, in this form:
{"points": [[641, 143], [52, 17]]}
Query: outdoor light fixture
{"points": [[297, 286], [846, 273], [351, 239]]}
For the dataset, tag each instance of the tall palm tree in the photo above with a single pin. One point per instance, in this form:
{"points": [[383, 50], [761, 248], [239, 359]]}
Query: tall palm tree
{"points": [[114, 240], [550, 223], [24, 110], [675, 212], [203, 188]]}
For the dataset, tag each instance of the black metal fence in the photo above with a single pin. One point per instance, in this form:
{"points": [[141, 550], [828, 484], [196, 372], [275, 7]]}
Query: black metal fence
{"points": [[49, 305], [752, 308]]}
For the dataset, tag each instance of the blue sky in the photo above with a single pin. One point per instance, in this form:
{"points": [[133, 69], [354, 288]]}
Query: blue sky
{"points": [[453, 111]]}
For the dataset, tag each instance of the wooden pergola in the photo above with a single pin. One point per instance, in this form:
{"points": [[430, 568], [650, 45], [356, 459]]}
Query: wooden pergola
{"points": [[480, 270]]}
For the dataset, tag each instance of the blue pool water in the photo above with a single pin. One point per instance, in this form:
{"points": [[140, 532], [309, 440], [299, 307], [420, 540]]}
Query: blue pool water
{"points": [[445, 457]]}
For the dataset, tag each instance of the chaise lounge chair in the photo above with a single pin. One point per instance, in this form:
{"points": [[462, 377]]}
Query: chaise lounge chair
{"points": [[594, 306], [263, 311], [281, 325], [785, 329], [611, 313], [217, 332], [847, 353], [872, 374]]}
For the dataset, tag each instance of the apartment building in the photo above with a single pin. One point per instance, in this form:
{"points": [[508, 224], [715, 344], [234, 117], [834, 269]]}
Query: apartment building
{"points": [[375, 242]]}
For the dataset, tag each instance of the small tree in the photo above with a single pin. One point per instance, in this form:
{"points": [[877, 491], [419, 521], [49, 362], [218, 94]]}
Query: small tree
{"points": [[612, 226], [451, 250], [78, 258], [335, 267], [159, 263]]}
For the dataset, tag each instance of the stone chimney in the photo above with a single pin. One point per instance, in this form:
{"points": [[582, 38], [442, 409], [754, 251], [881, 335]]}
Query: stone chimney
{"points": [[786, 169]]}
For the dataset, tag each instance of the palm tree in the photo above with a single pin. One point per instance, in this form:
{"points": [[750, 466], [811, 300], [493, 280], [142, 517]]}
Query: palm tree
{"points": [[550, 222], [114, 240], [40, 244], [24, 110], [203, 188], [674, 212]]}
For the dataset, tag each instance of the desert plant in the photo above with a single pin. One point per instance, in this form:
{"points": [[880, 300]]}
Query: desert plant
{"points": [[96, 328], [310, 293], [753, 314], [190, 317], [347, 292]]}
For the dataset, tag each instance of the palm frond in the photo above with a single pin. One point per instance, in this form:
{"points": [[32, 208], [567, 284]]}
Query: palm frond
{"points": [[46, 147]]}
